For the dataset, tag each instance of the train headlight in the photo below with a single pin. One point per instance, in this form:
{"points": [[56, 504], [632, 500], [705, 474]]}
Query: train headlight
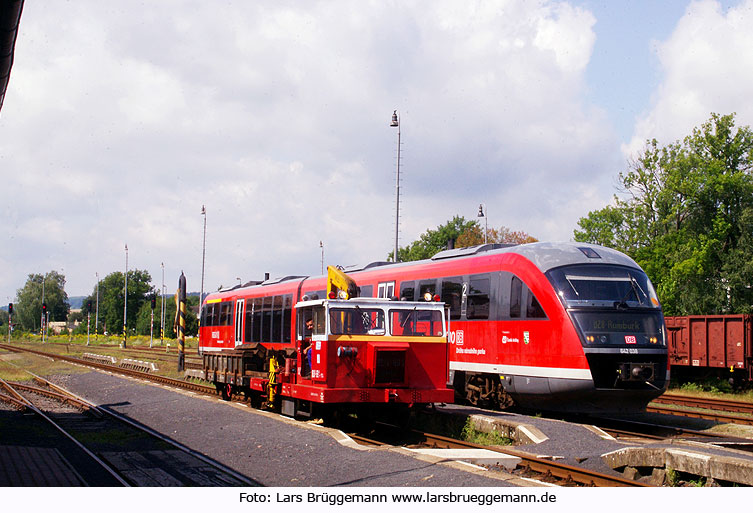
{"points": [[590, 339], [653, 340]]}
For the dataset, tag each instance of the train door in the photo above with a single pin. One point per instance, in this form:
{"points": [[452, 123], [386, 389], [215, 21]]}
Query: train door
{"points": [[239, 321], [386, 289]]}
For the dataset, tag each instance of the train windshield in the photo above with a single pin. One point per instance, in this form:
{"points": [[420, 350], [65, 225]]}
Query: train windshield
{"points": [[603, 285]]}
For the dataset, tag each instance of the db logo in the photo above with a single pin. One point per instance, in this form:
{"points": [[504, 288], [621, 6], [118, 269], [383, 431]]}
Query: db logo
{"points": [[630, 339]]}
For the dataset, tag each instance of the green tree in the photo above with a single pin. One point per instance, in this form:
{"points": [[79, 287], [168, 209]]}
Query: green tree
{"points": [[27, 312], [433, 241], [474, 235], [111, 292], [686, 216]]}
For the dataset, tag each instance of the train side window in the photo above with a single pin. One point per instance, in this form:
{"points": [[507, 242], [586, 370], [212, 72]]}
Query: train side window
{"points": [[406, 290], [386, 289], [452, 294], [257, 319], [316, 294], [266, 313], [516, 292], [479, 288], [366, 291], [276, 319], [427, 287], [287, 313], [248, 335], [533, 308]]}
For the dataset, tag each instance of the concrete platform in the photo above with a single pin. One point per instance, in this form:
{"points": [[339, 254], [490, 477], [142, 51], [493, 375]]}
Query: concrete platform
{"points": [[474, 456]]}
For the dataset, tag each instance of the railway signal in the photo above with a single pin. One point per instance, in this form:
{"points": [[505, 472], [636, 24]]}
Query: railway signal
{"points": [[181, 314], [10, 320]]}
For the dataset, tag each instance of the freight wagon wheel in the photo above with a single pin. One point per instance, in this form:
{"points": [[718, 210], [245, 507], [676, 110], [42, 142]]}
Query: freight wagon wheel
{"points": [[254, 398], [226, 392]]}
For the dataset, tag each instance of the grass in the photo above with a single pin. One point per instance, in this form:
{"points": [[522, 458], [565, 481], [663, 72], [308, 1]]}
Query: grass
{"points": [[471, 434], [12, 365]]}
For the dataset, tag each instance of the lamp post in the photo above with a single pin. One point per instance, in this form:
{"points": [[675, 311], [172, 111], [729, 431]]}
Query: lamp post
{"points": [[396, 123], [96, 316], [203, 255], [125, 301], [41, 324], [321, 245], [481, 209], [162, 311]]}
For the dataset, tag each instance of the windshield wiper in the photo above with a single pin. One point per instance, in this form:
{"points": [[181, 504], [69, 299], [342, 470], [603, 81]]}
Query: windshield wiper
{"points": [[634, 288]]}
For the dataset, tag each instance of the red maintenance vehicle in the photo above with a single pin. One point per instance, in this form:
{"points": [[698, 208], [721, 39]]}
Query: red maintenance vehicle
{"points": [[342, 354], [551, 326]]}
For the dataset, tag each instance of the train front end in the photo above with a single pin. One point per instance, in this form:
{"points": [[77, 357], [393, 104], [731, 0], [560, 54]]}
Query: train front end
{"points": [[618, 320]]}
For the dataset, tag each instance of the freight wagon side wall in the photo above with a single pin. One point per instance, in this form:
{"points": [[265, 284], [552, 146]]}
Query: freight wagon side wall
{"points": [[711, 341]]}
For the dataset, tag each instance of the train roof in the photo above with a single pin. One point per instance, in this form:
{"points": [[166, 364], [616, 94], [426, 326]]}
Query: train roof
{"points": [[549, 255], [544, 255]]}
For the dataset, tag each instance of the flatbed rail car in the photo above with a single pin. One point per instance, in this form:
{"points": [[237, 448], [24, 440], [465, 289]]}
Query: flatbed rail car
{"points": [[551, 326], [351, 355], [711, 346]]}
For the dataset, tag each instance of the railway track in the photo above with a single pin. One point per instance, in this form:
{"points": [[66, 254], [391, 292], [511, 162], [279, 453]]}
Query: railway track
{"points": [[130, 454], [719, 410], [88, 467], [529, 466]]}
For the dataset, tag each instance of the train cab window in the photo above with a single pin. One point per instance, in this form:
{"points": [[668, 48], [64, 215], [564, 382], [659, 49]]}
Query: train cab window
{"points": [[416, 323], [386, 289], [452, 295], [516, 297], [226, 313], [287, 313], [366, 291], [361, 321], [406, 290], [427, 287], [316, 314], [533, 308], [207, 315], [479, 288]]}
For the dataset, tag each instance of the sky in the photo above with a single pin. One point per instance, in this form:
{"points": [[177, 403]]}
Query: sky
{"points": [[121, 120]]}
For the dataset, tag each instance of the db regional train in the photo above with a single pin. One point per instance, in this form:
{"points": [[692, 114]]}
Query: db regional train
{"points": [[549, 326]]}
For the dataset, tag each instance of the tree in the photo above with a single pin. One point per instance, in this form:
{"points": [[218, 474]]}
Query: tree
{"points": [[111, 289], [27, 312], [474, 235], [686, 217], [433, 241]]}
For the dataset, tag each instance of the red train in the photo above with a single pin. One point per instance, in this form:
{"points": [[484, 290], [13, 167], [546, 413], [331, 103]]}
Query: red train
{"points": [[554, 326], [712, 346]]}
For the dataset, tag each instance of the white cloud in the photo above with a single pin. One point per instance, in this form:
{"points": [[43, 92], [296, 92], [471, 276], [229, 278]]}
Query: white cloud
{"points": [[707, 66], [120, 123]]}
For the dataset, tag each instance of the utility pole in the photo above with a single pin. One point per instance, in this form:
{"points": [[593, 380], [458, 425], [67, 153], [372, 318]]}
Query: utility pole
{"points": [[396, 123], [125, 302]]}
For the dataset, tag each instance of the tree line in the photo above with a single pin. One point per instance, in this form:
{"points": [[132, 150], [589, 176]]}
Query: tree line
{"points": [[27, 311], [685, 214]]}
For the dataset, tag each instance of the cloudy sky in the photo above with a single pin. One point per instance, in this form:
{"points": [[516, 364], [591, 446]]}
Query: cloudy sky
{"points": [[122, 119]]}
